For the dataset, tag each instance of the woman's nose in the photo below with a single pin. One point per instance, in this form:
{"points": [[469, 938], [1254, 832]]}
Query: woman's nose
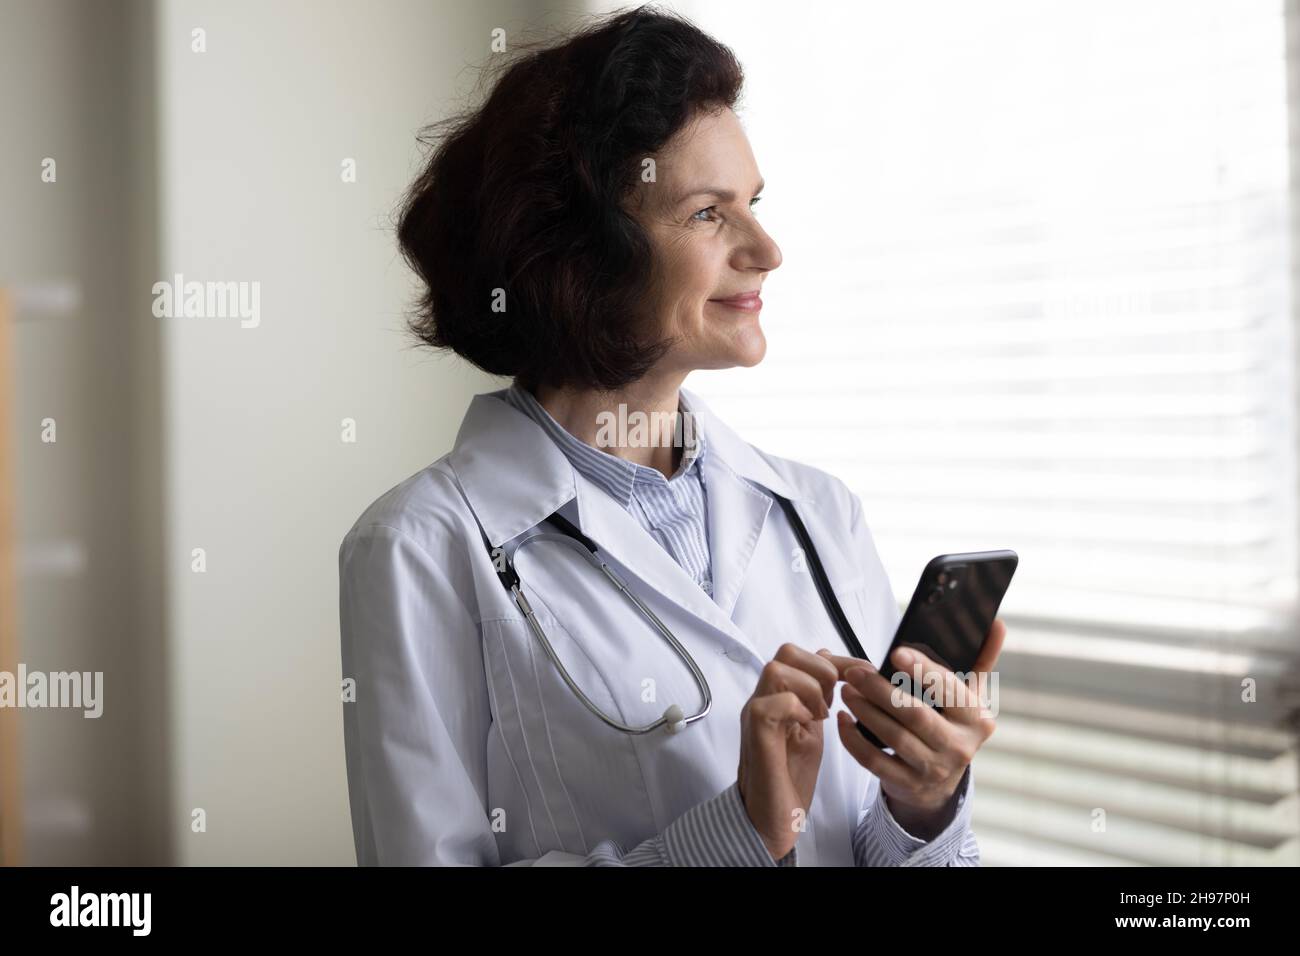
{"points": [[758, 251]]}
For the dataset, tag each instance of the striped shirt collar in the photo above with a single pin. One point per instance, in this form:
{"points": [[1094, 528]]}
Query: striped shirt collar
{"points": [[618, 477]]}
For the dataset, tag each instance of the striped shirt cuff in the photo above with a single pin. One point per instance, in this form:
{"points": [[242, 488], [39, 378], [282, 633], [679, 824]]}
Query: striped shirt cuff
{"points": [[718, 832], [881, 841]]}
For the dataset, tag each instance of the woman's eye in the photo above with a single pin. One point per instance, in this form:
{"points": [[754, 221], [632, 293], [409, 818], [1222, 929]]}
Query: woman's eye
{"points": [[709, 209]]}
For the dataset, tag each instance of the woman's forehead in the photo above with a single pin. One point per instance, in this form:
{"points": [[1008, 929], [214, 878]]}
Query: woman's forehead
{"points": [[713, 155]]}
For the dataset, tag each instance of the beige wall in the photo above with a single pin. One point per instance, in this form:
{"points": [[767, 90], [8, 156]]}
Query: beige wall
{"points": [[253, 134], [182, 433]]}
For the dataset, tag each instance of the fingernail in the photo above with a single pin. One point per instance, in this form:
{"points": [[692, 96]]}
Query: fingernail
{"points": [[904, 656]]}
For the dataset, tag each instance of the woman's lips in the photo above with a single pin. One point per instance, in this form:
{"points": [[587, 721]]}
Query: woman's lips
{"points": [[749, 302]]}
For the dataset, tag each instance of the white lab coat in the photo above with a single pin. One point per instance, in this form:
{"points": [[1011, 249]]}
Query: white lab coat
{"points": [[460, 720]]}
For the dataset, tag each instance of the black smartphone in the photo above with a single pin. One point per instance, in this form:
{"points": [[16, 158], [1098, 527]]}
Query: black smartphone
{"points": [[950, 614]]}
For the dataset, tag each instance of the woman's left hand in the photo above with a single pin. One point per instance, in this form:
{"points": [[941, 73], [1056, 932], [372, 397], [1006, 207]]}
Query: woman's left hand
{"points": [[931, 749]]}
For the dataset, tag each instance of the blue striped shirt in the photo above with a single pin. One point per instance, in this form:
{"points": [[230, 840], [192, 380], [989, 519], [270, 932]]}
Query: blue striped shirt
{"points": [[718, 832], [673, 510]]}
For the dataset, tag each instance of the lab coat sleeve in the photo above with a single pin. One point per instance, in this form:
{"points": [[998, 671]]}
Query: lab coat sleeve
{"points": [[878, 839], [415, 735]]}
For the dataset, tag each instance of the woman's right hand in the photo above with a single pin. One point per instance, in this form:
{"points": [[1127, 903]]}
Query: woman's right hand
{"points": [[781, 743]]}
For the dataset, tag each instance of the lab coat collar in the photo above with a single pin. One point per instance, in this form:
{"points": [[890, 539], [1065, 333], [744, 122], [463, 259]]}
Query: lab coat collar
{"points": [[514, 476]]}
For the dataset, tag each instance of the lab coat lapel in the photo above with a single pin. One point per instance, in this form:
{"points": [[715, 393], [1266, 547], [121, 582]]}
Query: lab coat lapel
{"points": [[630, 550], [509, 469], [739, 483], [737, 513]]}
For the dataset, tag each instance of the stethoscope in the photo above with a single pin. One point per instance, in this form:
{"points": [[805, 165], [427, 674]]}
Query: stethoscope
{"points": [[673, 719]]}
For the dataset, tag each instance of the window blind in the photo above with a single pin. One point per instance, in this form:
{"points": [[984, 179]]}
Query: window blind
{"points": [[1036, 294]]}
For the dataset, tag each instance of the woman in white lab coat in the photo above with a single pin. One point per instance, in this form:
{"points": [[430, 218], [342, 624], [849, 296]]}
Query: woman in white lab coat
{"points": [[590, 231]]}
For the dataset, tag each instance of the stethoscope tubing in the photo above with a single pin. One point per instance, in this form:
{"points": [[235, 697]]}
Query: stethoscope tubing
{"points": [[526, 609], [673, 718]]}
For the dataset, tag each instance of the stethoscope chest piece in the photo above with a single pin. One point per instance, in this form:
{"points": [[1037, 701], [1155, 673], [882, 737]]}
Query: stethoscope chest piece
{"points": [[674, 720]]}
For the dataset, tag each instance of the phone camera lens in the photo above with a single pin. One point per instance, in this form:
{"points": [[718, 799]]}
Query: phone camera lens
{"points": [[935, 595]]}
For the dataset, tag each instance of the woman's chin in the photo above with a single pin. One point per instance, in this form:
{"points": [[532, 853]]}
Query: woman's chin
{"points": [[751, 347], [752, 356], [745, 352]]}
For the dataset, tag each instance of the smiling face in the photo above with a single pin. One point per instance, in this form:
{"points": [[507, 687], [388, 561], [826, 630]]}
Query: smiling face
{"points": [[711, 254]]}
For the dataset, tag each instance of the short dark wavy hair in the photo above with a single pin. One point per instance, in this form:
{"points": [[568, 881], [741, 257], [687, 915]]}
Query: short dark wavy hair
{"points": [[525, 194]]}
